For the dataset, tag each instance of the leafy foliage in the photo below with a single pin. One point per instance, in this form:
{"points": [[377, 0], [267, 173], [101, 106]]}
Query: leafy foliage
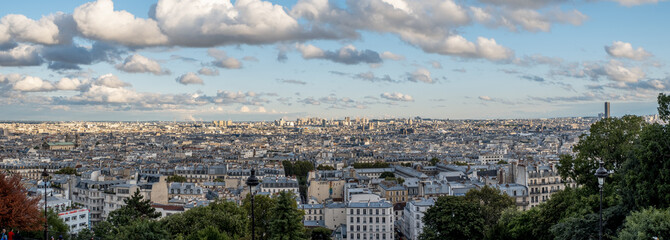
{"points": [[387, 174], [492, 202], [325, 167], [16, 209], [287, 221], [647, 179], [646, 224], [226, 217], [263, 214], [453, 218], [372, 165], [320, 233], [177, 178], [67, 171], [664, 107], [136, 208], [612, 141]]}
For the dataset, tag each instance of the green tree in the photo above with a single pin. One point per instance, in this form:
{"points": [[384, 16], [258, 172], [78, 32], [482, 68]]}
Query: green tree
{"points": [[57, 226], [453, 217], [210, 233], [387, 175], [263, 213], [320, 233], [611, 140], [67, 171], [136, 208], [645, 224], [434, 161], [142, 229], [176, 178], [287, 221], [325, 167], [647, 173], [492, 202], [226, 217], [664, 107]]}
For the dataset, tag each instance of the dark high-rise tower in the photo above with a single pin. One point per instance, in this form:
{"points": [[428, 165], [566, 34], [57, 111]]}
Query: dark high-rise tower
{"points": [[607, 109]]}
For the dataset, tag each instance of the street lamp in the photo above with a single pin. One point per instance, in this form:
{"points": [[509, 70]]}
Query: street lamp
{"points": [[45, 177], [252, 182], [601, 173]]}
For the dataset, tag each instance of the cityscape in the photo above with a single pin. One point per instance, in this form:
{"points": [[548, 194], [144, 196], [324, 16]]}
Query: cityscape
{"points": [[334, 119]]}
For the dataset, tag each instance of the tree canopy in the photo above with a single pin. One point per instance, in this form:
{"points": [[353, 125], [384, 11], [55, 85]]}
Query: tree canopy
{"points": [[17, 210], [287, 221]]}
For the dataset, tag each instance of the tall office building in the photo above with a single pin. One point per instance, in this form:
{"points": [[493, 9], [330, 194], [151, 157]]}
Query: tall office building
{"points": [[607, 109]]}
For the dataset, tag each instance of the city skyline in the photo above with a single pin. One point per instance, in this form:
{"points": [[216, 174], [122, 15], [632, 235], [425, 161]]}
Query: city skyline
{"points": [[252, 60]]}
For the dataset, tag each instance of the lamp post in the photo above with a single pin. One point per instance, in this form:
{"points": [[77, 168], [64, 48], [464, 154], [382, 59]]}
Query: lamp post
{"points": [[45, 177], [601, 173], [252, 182]]}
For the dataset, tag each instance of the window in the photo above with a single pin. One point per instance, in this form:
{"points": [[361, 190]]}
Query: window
{"points": [[351, 211], [377, 212], [358, 211], [364, 211]]}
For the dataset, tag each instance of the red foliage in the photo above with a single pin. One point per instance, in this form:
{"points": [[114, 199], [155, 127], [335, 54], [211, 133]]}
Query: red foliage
{"points": [[17, 210]]}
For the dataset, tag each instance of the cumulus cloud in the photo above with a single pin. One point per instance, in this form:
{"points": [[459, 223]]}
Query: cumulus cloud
{"points": [[292, 81], [205, 23], [70, 56], [625, 50], [110, 81], [52, 29], [523, 3], [616, 71], [526, 18], [396, 96], [392, 56], [140, 64], [346, 55], [24, 83], [208, 71], [98, 20], [222, 59], [420, 75], [189, 78], [69, 84], [21, 55]]}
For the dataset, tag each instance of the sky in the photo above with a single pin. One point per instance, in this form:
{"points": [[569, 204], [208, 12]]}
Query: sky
{"points": [[253, 60]]}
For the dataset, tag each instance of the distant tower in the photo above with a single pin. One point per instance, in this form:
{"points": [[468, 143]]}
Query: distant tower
{"points": [[607, 109]]}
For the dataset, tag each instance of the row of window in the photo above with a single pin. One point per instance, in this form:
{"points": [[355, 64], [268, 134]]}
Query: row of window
{"points": [[67, 219], [366, 211], [358, 219], [365, 228], [371, 235]]}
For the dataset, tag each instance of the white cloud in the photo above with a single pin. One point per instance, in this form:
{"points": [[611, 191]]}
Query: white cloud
{"points": [[189, 78], [69, 84], [629, 3], [392, 56], [207, 23], [485, 98], [421, 75], [396, 96], [617, 72], [23, 29], [140, 64], [98, 20], [625, 50], [222, 59], [208, 71], [32, 84], [309, 51], [110, 81], [21, 55]]}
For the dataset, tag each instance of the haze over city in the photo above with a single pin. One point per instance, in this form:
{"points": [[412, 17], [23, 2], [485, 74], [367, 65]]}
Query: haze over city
{"points": [[265, 60]]}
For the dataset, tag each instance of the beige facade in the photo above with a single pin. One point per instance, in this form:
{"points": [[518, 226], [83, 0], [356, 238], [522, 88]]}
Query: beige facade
{"points": [[321, 189]]}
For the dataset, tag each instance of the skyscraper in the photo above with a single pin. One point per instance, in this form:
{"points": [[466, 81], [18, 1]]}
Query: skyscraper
{"points": [[607, 109]]}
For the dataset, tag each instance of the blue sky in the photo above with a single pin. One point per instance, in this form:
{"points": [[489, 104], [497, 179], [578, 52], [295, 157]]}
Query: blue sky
{"points": [[259, 60]]}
